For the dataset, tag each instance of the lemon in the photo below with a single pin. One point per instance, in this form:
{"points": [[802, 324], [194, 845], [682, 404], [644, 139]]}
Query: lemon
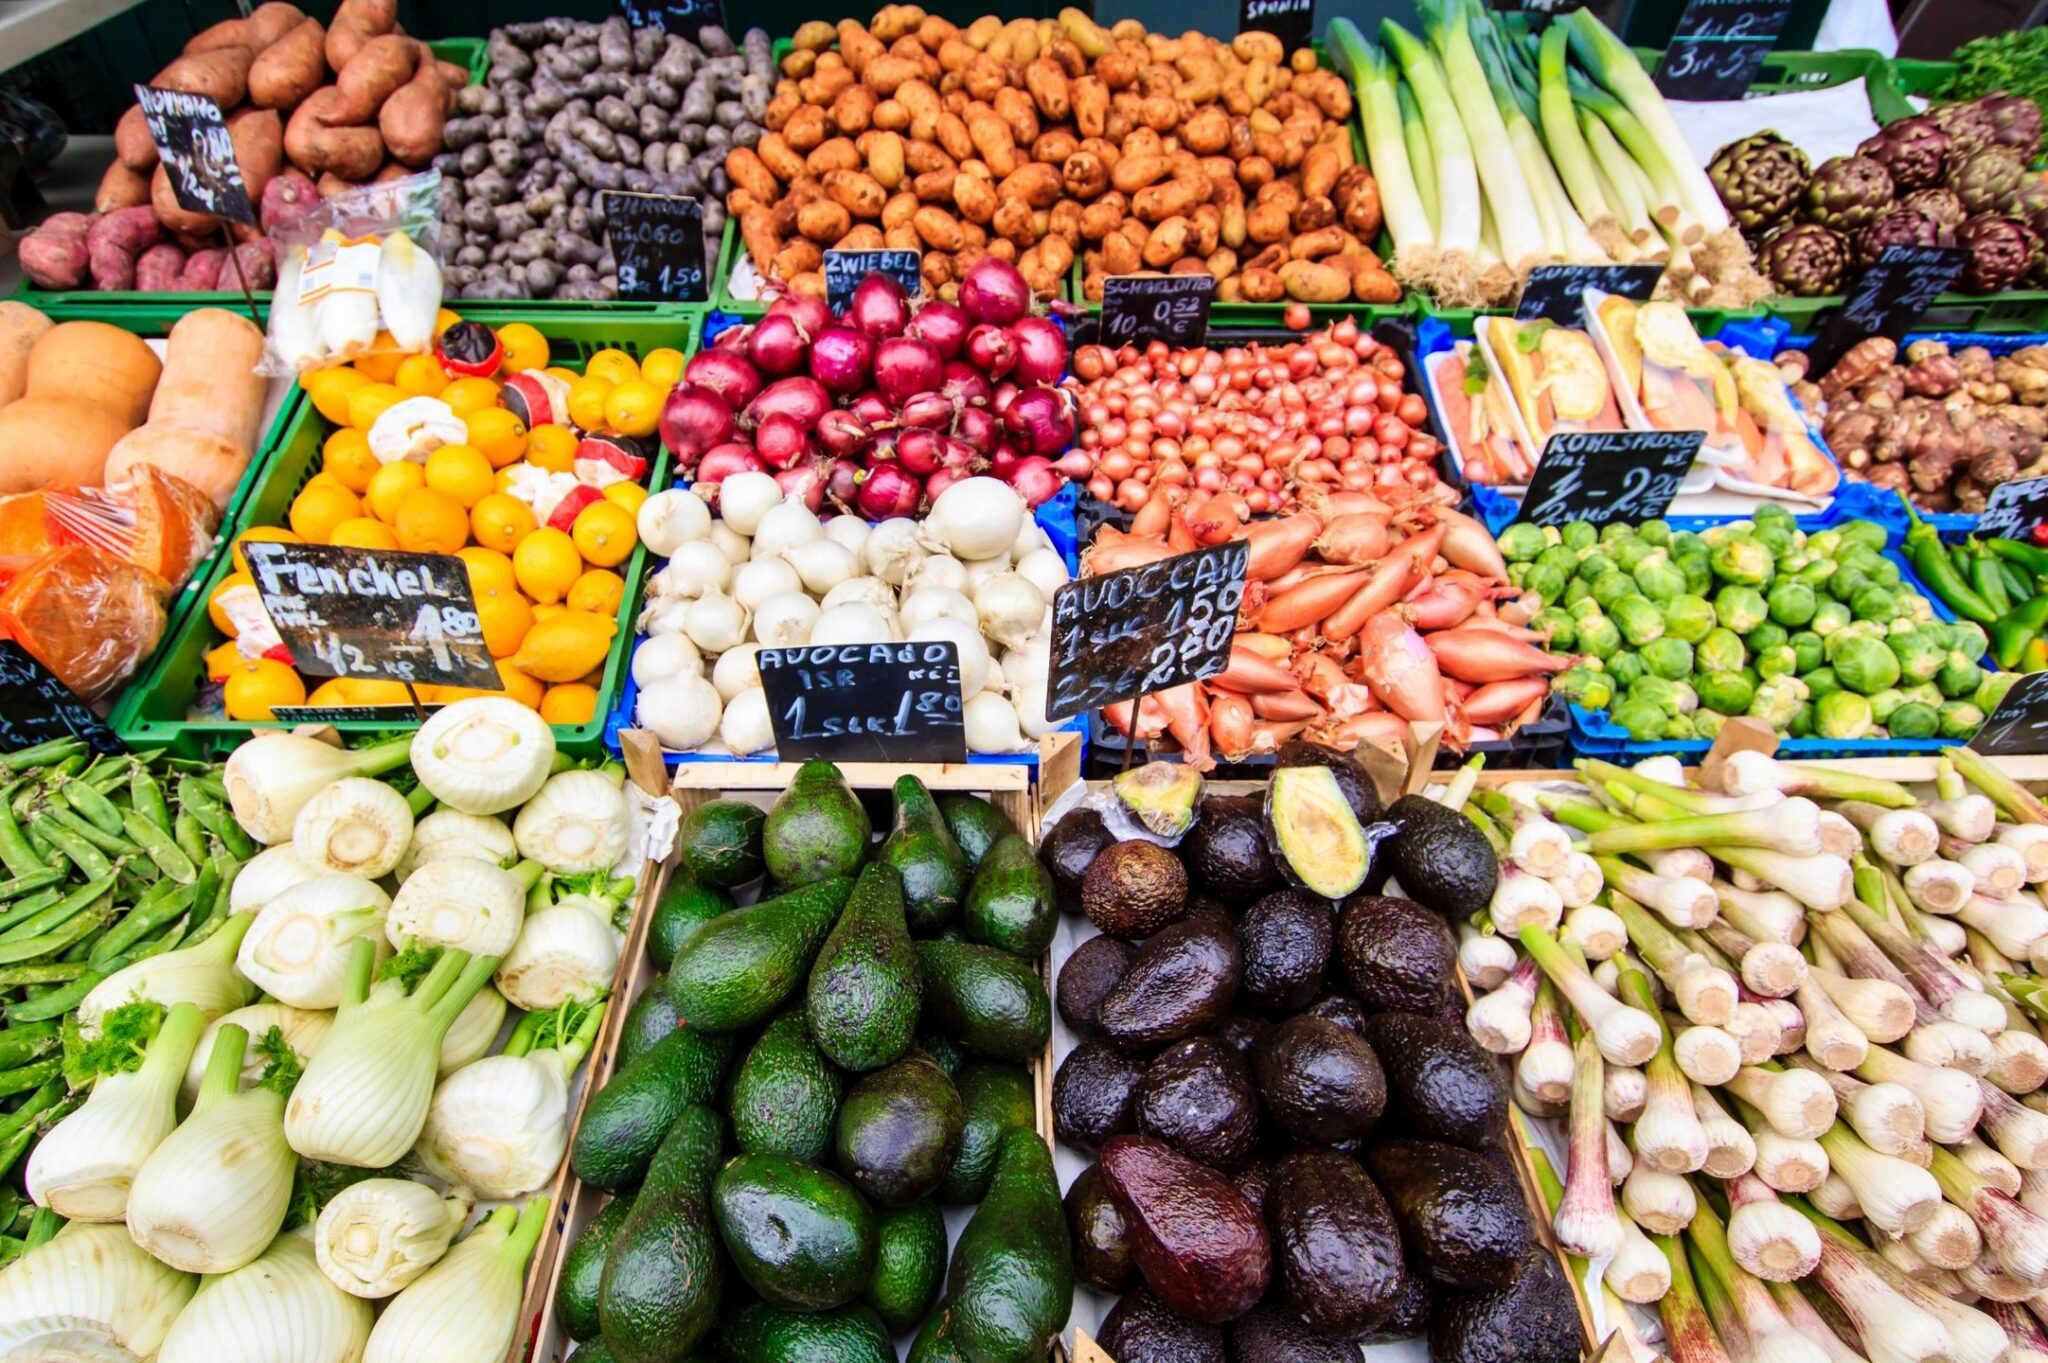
{"points": [[331, 390], [497, 434], [253, 691], [547, 565], [563, 647], [604, 533], [488, 569], [363, 532], [332, 692], [389, 486], [628, 495], [569, 703], [663, 366], [587, 398], [552, 448], [420, 376], [377, 691], [525, 347], [462, 472], [431, 522], [466, 395], [381, 364], [222, 659], [506, 617], [261, 534], [613, 366], [598, 591], [519, 686], [500, 521], [346, 455], [324, 504], [633, 407], [371, 401]]}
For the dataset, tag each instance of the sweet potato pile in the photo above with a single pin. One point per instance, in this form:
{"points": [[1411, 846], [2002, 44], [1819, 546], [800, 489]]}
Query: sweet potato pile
{"points": [[1039, 139]]}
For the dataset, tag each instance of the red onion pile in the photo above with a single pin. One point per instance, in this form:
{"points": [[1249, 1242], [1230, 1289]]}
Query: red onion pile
{"points": [[882, 409]]}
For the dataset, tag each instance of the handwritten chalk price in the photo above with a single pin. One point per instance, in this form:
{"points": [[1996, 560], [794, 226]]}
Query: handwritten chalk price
{"points": [[895, 702], [1609, 475], [1140, 309], [374, 613], [1129, 634]]}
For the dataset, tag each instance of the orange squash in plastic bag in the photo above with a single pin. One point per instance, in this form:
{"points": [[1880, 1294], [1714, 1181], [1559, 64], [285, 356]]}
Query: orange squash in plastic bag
{"points": [[89, 617], [155, 520]]}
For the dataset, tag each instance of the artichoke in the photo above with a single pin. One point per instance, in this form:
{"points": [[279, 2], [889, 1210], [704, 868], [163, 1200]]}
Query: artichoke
{"points": [[1968, 125], [1847, 192], [1987, 180], [2001, 253], [1759, 178], [1805, 259], [1899, 226], [1942, 205], [1914, 150], [2015, 121]]}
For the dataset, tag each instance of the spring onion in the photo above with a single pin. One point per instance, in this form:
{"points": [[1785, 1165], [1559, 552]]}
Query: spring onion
{"points": [[1627, 1036]]}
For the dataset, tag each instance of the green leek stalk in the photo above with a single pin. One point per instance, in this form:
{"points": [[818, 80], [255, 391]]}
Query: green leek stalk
{"points": [[1688, 1333], [1535, 166], [1407, 215], [1639, 155], [1456, 179], [1617, 68], [1421, 157], [1500, 175], [1568, 150]]}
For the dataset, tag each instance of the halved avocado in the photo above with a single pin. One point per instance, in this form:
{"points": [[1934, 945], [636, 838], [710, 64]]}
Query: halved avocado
{"points": [[1161, 796], [1315, 832], [1352, 777]]}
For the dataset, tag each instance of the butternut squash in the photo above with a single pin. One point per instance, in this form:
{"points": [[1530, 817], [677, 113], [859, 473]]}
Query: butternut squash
{"points": [[202, 423], [21, 326], [88, 384]]}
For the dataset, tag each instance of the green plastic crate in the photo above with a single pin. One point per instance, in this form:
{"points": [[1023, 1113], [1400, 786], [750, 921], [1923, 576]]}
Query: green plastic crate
{"points": [[152, 712], [1925, 79]]}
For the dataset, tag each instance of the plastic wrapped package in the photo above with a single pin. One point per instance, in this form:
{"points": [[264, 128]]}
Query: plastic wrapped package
{"points": [[87, 616], [1556, 380], [358, 276], [154, 520]]}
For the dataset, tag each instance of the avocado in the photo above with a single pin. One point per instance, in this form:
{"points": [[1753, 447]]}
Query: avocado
{"points": [[1319, 1083], [799, 1235], [1095, 1095], [1161, 796], [625, 1121], [720, 843], [1341, 1009], [1352, 777], [1242, 1032], [786, 1094], [1440, 857], [1254, 1178], [862, 1001], [1531, 1319], [593, 1351], [761, 1332], [1226, 852], [1336, 1249], [1102, 1248], [1010, 902], [1201, 1247], [685, 906], [1319, 842], [742, 965], [1070, 847], [1410, 1314], [1011, 1284], [989, 1000], [1134, 888], [1091, 972], [1440, 1085], [899, 1131], [659, 1290], [1396, 953], [1140, 1328], [652, 1017], [976, 825], [926, 859], [948, 1054], [995, 1098], [1462, 1218], [1270, 1335], [910, 1263], [937, 1342], [583, 1269], [816, 830], [1286, 940], [1182, 980], [1196, 1095]]}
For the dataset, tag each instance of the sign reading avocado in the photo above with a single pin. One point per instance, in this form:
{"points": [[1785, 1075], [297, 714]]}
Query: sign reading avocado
{"points": [[35, 707], [1608, 475], [1129, 634], [374, 613], [888, 702]]}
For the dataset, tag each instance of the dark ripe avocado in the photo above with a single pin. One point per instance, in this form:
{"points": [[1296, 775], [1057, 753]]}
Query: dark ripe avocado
{"points": [[1091, 972], [1352, 777], [1134, 888], [653, 1016], [1226, 852], [1070, 847], [1286, 941], [1410, 1316], [1336, 1249], [1270, 1335], [899, 1131], [1254, 1179], [1197, 1097], [1440, 857], [1199, 1244], [1140, 1328], [816, 829], [1102, 1248], [1532, 1319], [762, 1333], [1182, 980], [720, 842], [976, 825], [1341, 1009], [1320, 1083], [1440, 1085], [1094, 1095], [1320, 842], [1396, 953], [1462, 1217], [1243, 1031]]}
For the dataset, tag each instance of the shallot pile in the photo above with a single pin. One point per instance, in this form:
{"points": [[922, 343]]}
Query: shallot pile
{"points": [[1260, 422], [882, 409], [1362, 612]]}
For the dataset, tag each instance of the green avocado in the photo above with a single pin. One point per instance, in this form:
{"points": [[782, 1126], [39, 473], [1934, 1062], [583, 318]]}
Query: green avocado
{"points": [[785, 1094], [763, 1333], [1011, 903], [816, 830], [995, 1097], [742, 965], [627, 1120], [910, 1263], [989, 1000], [863, 996], [720, 843], [799, 1235], [899, 1131], [659, 1290], [930, 864]]}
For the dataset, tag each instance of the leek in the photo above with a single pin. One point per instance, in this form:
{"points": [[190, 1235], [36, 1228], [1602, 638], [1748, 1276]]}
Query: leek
{"points": [[500, 1126], [89, 1293], [1567, 145], [1617, 68], [379, 1235], [1457, 183], [465, 1308], [1421, 158], [1514, 208], [277, 1309], [1407, 216]]}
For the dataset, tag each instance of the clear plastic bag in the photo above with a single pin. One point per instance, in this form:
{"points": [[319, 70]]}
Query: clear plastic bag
{"points": [[360, 275], [89, 617], [153, 520]]}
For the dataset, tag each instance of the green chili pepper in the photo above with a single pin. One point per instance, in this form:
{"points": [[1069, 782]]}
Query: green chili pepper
{"points": [[1989, 581], [1930, 560], [2031, 558], [2010, 632]]}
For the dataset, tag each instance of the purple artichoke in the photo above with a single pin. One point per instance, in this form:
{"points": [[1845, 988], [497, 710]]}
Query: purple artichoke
{"points": [[1847, 192], [1914, 150], [1987, 180], [1942, 205], [1899, 226], [2001, 252], [2016, 122], [1968, 124], [1805, 259], [1759, 178]]}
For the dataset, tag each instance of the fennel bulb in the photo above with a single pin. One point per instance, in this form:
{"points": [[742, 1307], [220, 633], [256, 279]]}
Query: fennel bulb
{"points": [[483, 754], [273, 776], [465, 1308], [363, 1098], [266, 876], [297, 949], [83, 1167], [90, 1293], [298, 1028], [211, 1197], [278, 1309], [376, 1236], [500, 1126], [357, 827], [463, 902], [563, 953], [452, 833], [202, 975], [575, 823], [473, 1033]]}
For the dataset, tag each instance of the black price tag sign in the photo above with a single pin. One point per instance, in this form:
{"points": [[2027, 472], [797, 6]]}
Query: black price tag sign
{"points": [[1140, 308], [844, 270], [1291, 21], [896, 702], [2014, 508], [35, 707], [1886, 300], [2019, 726], [397, 716], [193, 143], [1142, 630], [685, 18], [657, 241], [1555, 293], [1609, 475], [373, 613], [1719, 47]]}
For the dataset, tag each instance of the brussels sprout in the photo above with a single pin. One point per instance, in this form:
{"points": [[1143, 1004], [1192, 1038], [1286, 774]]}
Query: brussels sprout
{"points": [[1720, 651], [1707, 724], [1564, 631], [1658, 578], [1631, 553], [1614, 532], [1885, 573], [1685, 543], [1663, 692], [1776, 700], [1657, 532], [1770, 634], [1926, 693], [1744, 561], [1578, 589], [1884, 702], [1821, 681], [1585, 687], [1644, 721], [1688, 617], [1728, 692], [1991, 691], [1545, 581], [1914, 719], [1585, 608], [1680, 729], [1521, 542], [1968, 638], [1869, 534], [1688, 699], [1638, 620], [1609, 588], [1626, 668], [1577, 535], [1830, 616], [1699, 574], [1792, 604], [1595, 566], [1849, 578], [1843, 714], [1866, 666], [1824, 545], [1958, 678], [1775, 535], [1960, 719], [1807, 646], [1598, 636], [1801, 723], [1668, 657], [1771, 511], [1557, 556], [1919, 655], [1779, 661], [1818, 574], [1874, 603], [1915, 608], [1740, 608]]}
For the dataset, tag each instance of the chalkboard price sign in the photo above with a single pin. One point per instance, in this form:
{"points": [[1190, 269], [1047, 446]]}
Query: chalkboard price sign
{"points": [[1609, 475], [1129, 634], [35, 707], [2019, 726], [193, 143], [393, 715], [1719, 47], [844, 270], [658, 242], [2014, 508], [1886, 300], [371, 613], [684, 18], [1138, 309], [1291, 21], [897, 702], [1555, 293]]}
